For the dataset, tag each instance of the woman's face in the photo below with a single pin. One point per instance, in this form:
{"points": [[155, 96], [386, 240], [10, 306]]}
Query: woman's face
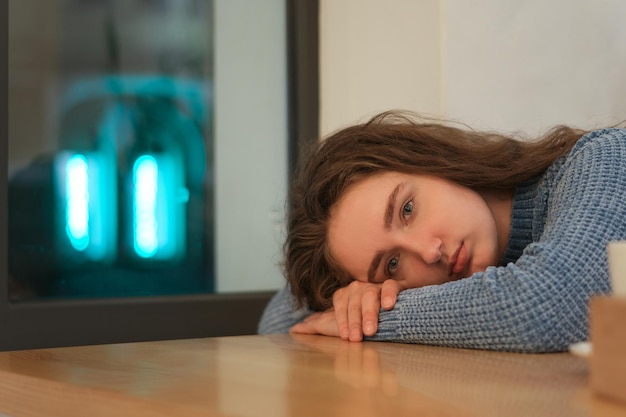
{"points": [[419, 230]]}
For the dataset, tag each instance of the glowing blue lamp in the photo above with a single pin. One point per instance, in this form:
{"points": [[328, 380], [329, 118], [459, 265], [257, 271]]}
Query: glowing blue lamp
{"points": [[77, 201], [158, 207], [87, 204]]}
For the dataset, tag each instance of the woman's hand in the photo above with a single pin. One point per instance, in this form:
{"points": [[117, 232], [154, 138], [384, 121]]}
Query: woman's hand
{"points": [[318, 323], [357, 305]]}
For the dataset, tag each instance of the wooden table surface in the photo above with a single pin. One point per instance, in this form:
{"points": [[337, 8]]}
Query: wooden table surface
{"points": [[283, 375]]}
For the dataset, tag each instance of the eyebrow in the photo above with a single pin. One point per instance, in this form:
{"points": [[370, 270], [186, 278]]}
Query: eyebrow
{"points": [[391, 202]]}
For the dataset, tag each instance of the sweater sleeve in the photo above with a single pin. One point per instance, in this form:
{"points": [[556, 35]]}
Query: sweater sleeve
{"points": [[281, 313], [540, 302]]}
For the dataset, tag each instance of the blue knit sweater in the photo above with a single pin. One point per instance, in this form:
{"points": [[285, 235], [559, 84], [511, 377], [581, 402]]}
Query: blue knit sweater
{"points": [[537, 299]]}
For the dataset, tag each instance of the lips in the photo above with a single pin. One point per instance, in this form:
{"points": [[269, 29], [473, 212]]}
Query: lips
{"points": [[458, 260]]}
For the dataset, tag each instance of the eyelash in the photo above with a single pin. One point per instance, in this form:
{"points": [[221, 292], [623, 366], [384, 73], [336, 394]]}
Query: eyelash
{"points": [[404, 215]]}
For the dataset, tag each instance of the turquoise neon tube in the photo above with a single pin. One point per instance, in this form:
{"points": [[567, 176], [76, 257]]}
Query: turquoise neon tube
{"points": [[158, 211], [77, 201], [87, 208], [146, 188]]}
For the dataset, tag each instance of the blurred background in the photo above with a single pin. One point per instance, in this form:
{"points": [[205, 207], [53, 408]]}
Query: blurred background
{"points": [[148, 139], [147, 146]]}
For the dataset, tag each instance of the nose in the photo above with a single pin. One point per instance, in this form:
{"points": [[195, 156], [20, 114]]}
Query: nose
{"points": [[427, 248]]}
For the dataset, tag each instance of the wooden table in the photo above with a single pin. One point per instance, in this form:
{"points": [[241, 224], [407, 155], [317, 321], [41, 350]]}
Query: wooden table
{"points": [[282, 375]]}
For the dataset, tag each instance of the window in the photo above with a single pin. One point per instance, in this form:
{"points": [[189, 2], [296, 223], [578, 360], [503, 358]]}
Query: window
{"points": [[140, 137]]}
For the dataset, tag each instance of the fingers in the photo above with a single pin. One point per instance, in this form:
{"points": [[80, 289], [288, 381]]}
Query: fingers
{"points": [[318, 323], [354, 319], [303, 327], [340, 304], [307, 326], [389, 293], [370, 307], [356, 310]]}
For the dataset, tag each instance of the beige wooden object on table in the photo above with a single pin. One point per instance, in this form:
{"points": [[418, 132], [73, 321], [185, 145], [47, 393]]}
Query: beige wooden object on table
{"points": [[299, 375], [608, 336]]}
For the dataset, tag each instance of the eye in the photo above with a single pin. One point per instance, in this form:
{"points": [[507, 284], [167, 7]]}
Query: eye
{"points": [[392, 266], [407, 209]]}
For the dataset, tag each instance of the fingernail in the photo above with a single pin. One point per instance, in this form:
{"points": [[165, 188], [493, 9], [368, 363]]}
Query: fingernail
{"points": [[355, 335], [345, 333], [387, 302], [368, 328]]}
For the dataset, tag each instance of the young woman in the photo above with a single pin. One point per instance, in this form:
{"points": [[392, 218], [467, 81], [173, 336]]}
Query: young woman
{"points": [[464, 238]]}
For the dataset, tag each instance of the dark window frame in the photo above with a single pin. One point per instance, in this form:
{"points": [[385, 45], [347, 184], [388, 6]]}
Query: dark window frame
{"points": [[30, 325]]}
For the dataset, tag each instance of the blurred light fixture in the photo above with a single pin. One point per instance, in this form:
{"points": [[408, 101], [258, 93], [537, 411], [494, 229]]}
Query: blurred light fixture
{"points": [[158, 213], [86, 216]]}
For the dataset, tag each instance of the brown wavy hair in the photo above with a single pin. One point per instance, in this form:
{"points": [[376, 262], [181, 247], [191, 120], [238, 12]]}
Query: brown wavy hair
{"points": [[401, 142]]}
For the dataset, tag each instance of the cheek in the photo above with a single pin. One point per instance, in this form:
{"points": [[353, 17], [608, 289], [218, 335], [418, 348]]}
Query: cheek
{"points": [[414, 274], [486, 253], [483, 234]]}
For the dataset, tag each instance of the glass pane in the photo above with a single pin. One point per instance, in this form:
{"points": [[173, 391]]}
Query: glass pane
{"points": [[111, 189]]}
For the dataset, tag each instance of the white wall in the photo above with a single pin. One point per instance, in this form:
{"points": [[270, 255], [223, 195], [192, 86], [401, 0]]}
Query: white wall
{"points": [[501, 64], [376, 55]]}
